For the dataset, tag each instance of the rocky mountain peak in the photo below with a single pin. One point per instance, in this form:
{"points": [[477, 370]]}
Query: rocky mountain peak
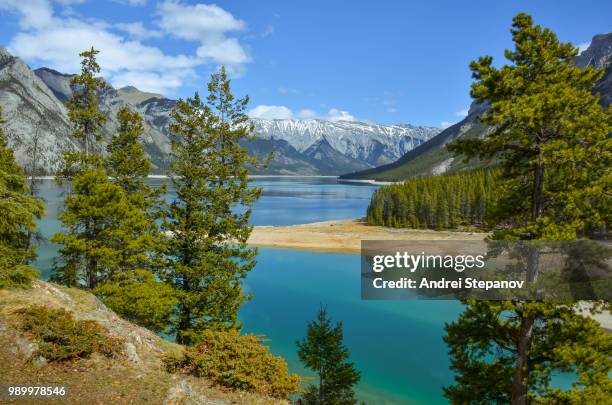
{"points": [[304, 146], [599, 52], [135, 96], [5, 56]]}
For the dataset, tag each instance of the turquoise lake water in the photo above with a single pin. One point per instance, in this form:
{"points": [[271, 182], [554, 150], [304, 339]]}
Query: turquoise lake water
{"points": [[397, 345]]}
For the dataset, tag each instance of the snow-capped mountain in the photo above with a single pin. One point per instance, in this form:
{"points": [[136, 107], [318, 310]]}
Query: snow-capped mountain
{"points": [[371, 143], [32, 104]]}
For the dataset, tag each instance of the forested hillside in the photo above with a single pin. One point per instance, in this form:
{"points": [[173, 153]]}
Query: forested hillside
{"points": [[435, 202]]}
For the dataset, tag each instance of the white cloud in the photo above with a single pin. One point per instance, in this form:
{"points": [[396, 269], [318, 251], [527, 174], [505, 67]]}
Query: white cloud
{"points": [[69, 2], [50, 46], [200, 22], [338, 115], [307, 114], [156, 82], [137, 30], [271, 112], [33, 14], [391, 109], [226, 52], [286, 90], [55, 41], [132, 2], [445, 124], [583, 47], [463, 113], [283, 112], [207, 24]]}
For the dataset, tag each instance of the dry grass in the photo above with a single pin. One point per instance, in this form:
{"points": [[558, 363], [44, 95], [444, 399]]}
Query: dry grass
{"points": [[99, 379]]}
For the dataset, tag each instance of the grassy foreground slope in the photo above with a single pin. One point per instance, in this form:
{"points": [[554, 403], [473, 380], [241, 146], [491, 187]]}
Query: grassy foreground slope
{"points": [[138, 376]]}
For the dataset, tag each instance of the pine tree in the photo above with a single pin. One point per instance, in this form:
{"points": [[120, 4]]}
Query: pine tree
{"points": [[551, 138], [18, 213], [83, 111], [106, 232], [209, 219], [133, 289], [83, 171], [127, 162], [323, 351], [437, 202], [128, 167]]}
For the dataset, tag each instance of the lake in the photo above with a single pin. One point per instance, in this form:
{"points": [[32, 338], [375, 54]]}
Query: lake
{"points": [[397, 345]]}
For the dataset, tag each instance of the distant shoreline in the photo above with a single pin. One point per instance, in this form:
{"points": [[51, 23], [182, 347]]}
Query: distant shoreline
{"points": [[270, 176], [368, 181], [251, 176]]}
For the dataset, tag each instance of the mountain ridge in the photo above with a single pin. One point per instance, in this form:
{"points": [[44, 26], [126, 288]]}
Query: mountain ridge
{"points": [[351, 146]]}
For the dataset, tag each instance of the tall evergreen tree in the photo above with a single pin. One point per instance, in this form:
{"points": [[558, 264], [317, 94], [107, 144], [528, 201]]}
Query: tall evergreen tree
{"points": [[128, 167], [86, 208], [551, 138], [127, 162], [133, 289], [104, 229], [323, 351], [83, 111], [209, 219], [437, 202], [18, 213]]}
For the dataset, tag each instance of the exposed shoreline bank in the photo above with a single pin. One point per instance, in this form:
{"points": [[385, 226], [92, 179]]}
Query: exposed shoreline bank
{"points": [[343, 236], [251, 176], [266, 176], [367, 181]]}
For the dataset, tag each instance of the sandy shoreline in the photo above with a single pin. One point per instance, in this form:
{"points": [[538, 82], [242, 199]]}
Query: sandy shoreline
{"points": [[343, 236]]}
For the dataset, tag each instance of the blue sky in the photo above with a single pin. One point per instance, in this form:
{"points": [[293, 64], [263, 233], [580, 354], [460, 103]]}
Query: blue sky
{"points": [[384, 62]]}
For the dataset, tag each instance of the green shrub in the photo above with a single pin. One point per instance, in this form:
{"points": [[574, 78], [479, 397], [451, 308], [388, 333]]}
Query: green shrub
{"points": [[17, 276], [61, 337], [139, 298], [237, 361]]}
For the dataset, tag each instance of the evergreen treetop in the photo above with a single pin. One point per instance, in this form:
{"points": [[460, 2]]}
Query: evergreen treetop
{"points": [[209, 221], [550, 135], [323, 351], [83, 110]]}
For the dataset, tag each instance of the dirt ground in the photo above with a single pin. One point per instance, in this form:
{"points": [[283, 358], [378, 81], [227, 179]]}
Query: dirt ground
{"points": [[343, 236]]}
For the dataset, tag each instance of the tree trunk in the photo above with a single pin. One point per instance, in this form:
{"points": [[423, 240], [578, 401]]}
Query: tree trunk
{"points": [[321, 390], [538, 188], [91, 273], [519, 384]]}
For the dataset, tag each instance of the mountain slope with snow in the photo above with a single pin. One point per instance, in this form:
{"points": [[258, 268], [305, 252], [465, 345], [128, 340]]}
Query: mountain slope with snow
{"points": [[34, 99], [370, 143]]}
